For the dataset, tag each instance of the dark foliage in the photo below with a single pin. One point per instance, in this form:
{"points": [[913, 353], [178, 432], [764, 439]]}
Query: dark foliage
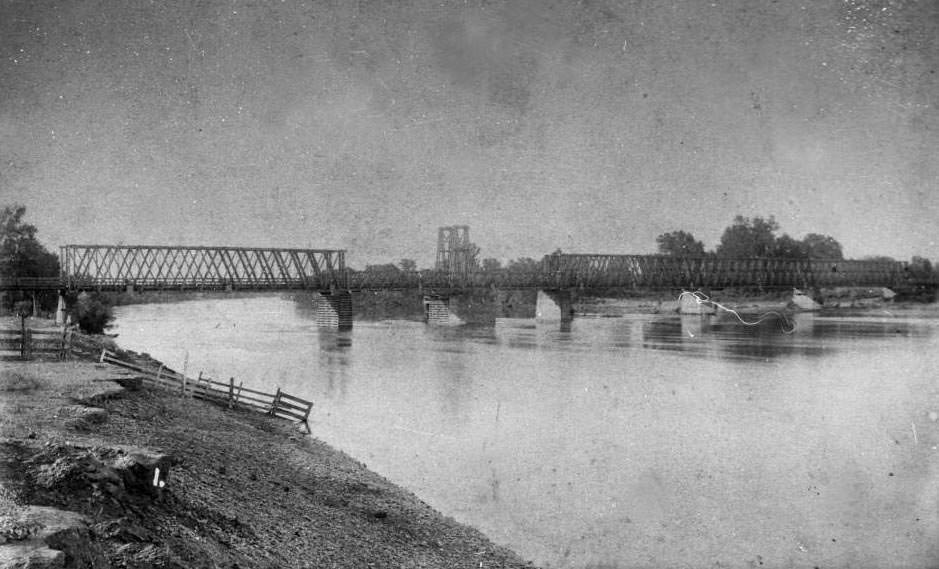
{"points": [[92, 312], [22, 256], [680, 244]]}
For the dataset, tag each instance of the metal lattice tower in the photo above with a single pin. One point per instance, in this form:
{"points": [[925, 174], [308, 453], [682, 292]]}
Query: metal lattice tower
{"points": [[456, 255]]}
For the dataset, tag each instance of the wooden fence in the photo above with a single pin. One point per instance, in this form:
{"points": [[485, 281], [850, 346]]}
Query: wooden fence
{"points": [[279, 404], [46, 343]]}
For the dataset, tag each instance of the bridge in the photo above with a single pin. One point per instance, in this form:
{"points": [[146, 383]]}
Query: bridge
{"points": [[323, 271], [151, 267]]}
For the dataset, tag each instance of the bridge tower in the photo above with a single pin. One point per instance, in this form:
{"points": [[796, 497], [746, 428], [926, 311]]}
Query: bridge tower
{"points": [[456, 255]]}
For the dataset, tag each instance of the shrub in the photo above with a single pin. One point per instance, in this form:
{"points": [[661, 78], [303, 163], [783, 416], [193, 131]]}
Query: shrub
{"points": [[92, 313]]}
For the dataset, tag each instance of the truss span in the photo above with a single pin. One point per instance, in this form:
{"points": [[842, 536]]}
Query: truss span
{"points": [[157, 267], [660, 271]]}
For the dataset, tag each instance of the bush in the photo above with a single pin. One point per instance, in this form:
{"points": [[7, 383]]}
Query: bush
{"points": [[92, 313]]}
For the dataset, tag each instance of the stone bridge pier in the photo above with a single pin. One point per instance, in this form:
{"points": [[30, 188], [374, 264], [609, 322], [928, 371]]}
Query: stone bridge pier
{"points": [[554, 306], [470, 307], [333, 309], [482, 307]]}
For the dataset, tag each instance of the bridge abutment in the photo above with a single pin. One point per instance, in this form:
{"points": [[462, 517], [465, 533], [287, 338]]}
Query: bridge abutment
{"points": [[554, 306], [333, 309]]}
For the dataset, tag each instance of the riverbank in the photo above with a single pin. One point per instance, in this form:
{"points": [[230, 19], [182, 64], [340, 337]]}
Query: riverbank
{"points": [[243, 490]]}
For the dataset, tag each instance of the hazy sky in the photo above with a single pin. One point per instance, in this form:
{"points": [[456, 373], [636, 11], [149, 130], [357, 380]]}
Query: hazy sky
{"points": [[592, 126]]}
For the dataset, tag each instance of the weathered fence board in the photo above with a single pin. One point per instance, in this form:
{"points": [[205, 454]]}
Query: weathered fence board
{"points": [[279, 404]]}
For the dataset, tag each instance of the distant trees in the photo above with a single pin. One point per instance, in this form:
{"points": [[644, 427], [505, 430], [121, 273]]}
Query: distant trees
{"points": [[491, 264], [408, 265], [822, 247], [921, 268], [748, 238], [679, 244], [787, 247], [523, 265]]}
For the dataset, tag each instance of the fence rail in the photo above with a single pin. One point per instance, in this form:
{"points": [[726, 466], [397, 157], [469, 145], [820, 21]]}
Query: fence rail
{"points": [[278, 404], [45, 343]]}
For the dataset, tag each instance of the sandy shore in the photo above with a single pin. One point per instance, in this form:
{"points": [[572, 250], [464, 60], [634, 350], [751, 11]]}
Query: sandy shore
{"points": [[243, 490]]}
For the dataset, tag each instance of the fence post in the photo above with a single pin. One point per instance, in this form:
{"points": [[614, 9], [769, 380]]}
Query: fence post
{"points": [[275, 402], [28, 343], [231, 392]]}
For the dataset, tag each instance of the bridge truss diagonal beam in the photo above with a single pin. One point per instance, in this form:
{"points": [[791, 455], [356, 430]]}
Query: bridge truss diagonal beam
{"points": [[153, 266]]}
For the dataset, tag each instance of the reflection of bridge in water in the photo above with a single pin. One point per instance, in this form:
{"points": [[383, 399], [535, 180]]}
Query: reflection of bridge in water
{"points": [[323, 271]]}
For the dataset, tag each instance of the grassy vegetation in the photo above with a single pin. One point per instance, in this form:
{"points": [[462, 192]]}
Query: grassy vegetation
{"points": [[16, 380]]}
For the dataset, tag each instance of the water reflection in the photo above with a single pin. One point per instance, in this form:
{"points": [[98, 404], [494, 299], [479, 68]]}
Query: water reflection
{"points": [[804, 334], [334, 360]]}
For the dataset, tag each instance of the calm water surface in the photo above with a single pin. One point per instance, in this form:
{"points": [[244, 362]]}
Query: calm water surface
{"points": [[646, 440]]}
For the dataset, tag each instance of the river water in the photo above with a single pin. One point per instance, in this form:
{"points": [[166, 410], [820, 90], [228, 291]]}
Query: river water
{"points": [[635, 441]]}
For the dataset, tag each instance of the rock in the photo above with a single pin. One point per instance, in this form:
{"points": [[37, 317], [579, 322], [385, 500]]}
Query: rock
{"points": [[81, 416], [143, 471], [802, 301], [125, 473], [104, 391], [58, 539]]}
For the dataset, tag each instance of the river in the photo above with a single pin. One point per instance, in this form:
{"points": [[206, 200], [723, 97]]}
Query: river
{"points": [[635, 441]]}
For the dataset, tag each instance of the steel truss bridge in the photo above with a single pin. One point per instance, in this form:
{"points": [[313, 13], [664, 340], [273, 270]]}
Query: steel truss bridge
{"points": [[118, 267]]}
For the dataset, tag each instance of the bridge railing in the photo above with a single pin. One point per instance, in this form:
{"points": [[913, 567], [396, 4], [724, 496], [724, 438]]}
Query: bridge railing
{"points": [[31, 283]]}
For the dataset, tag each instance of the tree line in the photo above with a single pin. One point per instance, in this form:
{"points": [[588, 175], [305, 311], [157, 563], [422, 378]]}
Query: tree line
{"points": [[23, 256], [746, 238], [757, 237]]}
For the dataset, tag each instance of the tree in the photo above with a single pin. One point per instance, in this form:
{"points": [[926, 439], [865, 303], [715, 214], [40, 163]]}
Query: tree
{"points": [[788, 248], [408, 265], [679, 244], [749, 238], [491, 264], [92, 312], [384, 268], [22, 256], [879, 259], [524, 265], [819, 246], [921, 268]]}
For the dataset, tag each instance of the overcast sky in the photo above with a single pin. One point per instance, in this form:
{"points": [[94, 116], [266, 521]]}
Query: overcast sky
{"points": [[592, 126]]}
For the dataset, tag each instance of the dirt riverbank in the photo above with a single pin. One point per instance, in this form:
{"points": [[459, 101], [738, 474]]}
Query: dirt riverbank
{"points": [[243, 490]]}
